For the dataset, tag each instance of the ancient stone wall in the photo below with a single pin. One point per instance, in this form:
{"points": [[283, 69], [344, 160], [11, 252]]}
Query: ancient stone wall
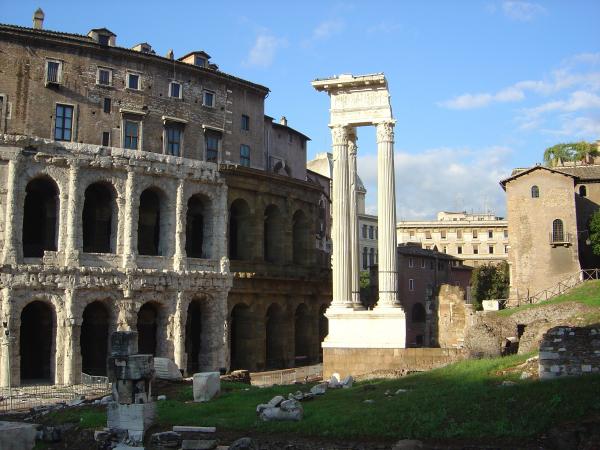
{"points": [[570, 351], [453, 316]]}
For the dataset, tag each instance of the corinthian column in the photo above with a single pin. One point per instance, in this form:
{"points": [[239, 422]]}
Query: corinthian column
{"points": [[354, 247], [386, 207], [341, 264], [73, 243], [10, 252]]}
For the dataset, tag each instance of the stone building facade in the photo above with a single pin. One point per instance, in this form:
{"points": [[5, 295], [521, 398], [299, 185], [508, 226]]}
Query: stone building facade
{"points": [[123, 177]]}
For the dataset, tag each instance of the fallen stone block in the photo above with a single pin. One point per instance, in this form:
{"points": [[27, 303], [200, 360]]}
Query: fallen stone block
{"points": [[166, 369], [244, 443], [334, 381], [207, 385], [17, 435], [275, 401], [49, 434], [199, 444], [135, 417], [161, 397], [167, 439], [189, 429], [278, 415], [408, 444], [347, 382], [319, 389]]}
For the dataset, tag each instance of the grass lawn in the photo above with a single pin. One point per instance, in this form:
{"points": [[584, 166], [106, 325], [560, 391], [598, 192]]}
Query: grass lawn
{"points": [[587, 293], [464, 400]]}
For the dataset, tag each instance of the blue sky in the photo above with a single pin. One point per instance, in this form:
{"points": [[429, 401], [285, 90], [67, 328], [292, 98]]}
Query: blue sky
{"points": [[478, 87]]}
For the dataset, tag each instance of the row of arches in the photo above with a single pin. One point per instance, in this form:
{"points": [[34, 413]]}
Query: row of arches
{"points": [[273, 226], [100, 220]]}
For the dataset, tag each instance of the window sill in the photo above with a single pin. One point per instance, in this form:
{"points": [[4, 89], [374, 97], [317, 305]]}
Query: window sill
{"points": [[132, 89], [560, 244]]}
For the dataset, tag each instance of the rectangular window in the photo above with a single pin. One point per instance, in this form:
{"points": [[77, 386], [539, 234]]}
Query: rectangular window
{"points": [[458, 234], [208, 99], [173, 143], [53, 72], [445, 249], [364, 231], [212, 148], [106, 138], [443, 234], [365, 258], [63, 123], [491, 234], [411, 233], [474, 234], [505, 234], [175, 90], [428, 235], [411, 284], [133, 81], [200, 61], [491, 249], [411, 262], [103, 39], [107, 105], [459, 250], [475, 249], [371, 230], [245, 155], [131, 134], [104, 76], [506, 249], [245, 122], [422, 263]]}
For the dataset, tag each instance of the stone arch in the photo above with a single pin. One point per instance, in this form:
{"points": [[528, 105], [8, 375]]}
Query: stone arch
{"points": [[197, 345], [302, 335], [241, 333], [100, 218], [152, 222], [300, 238], [149, 319], [94, 340], [40, 216], [240, 228], [275, 337], [323, 329], [198, 227], [273, 235], [37, 336]]}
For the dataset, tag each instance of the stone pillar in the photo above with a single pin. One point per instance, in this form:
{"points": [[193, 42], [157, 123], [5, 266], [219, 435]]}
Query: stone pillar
{"points": [[354, 247], [179, 257], [74, 211], [178, 332], [386, 207], [71, 338], [127, 315], [12, 229], [214, 353], [342, 286], [8, 341], [130, 220]]}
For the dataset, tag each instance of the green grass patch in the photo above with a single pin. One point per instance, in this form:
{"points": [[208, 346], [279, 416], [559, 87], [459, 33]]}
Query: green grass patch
{"points": [[587, 293], [86, 417]]}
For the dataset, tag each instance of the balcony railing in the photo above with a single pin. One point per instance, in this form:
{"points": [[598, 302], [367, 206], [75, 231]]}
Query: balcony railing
{"points": [[560, 239]]}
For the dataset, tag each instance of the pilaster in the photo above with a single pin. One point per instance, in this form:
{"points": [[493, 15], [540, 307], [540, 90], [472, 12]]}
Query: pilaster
{"points": [[73, 231], [12, 224], [130, 220], [179, 258], [354, 245]]}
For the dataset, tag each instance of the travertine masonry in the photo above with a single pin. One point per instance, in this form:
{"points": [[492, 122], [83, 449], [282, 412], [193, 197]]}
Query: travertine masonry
{"points": [[570, 351]]}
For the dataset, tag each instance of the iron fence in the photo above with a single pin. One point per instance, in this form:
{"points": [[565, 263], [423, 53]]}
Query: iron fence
{"points": [[286, 376], [565, 285]]}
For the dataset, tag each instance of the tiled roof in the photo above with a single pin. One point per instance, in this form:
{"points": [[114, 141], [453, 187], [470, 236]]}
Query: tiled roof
{"points": [[591, 172], [417, 250]]}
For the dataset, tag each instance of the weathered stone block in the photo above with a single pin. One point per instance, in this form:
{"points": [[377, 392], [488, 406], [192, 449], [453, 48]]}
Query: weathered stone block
{"points": [[133, 367], [166, 369], [124, 343], [207, 385], [136, 417], [17, 435]]}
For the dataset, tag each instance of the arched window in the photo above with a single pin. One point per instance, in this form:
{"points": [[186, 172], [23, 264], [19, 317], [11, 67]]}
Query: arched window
{"points": [[582, 191], [418, 313], [240, 238], [273, 235], [40, 217], [300, 238], [195, 228], [535, 192], [98, 212], [149, 223], [558, 233]]}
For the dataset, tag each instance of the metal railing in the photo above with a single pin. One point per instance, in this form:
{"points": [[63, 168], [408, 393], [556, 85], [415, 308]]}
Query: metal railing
{"points": [[286, 376], [565, 285]]}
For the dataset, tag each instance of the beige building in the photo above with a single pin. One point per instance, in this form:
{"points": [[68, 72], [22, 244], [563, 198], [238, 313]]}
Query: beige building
{"points": [[475, 238]]}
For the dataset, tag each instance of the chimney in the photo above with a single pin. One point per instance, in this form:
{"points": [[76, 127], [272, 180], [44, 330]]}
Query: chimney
{"points": [[283, 121], [170, 54], [38, 19]]}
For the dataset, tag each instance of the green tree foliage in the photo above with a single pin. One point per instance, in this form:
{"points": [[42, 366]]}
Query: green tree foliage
{"points": [[572, 151], [489, 282], [365, 280], [595, 232]]}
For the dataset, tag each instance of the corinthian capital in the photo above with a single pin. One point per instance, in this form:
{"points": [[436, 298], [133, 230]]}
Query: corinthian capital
{"points": [[339, 134], [385, 132]]}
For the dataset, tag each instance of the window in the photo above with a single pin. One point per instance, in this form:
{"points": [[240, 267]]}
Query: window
{"points": [[245, 155], [558, 232], [411, 284], [63, 123], [245, 122], [428, 235], [411, 262], [106, 138], [174, 135], [365, 257], [371, 232], [375, 232], [443, 234], [131, 134], [212, 147], [505, 234], [208, 99], [506, 249], [491, 249], [491, 234], [411, 233], [107, 105], [459, 249], [535, 192], [445, 249], [474, 234], [475, 249], [133, 81], [364, 231], [458, 234], [199, 61], [53, 72], [582, 191], [422, 263], [372, 257], [104, 76], [175, 90], [103, 39]]}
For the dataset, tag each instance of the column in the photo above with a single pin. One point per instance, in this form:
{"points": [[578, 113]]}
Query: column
{"points": [[386, 207], [342, 285], [179, 258], [71, 337], [354, 247], [7, 340], [74, 209], [10, 253], [130, 220], [178, 332]]}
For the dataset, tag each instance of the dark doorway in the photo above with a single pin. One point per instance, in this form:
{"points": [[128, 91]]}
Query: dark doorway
{"points": [[147, 325], [149, 223], [40, 214], [323, 329], [275, 337], [36, 337], [97, 219], [94, 339], [195, 228], [239, 230], [241, 337], [302, 333], [273, 235], [300, 238], [193, 336]]}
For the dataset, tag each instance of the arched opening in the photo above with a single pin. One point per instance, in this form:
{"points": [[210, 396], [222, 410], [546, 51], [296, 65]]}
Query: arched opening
{"points": [[35, 344], [149, 223], [418, 313], [535, 192], [239, 230], [94, 339], [302, 334], [240, 338], [40, 216], [558, 232], [275, 337], [193, 336], [323, 329], [273, 235], [582, 191], [300, 240], [147, 327], [195, 228], [98, 227]]}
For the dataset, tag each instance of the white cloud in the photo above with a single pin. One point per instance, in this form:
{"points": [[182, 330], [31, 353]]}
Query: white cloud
{"points": [[578, 127], [521, 10], [264, 49], [328, 28], [428, 182]]}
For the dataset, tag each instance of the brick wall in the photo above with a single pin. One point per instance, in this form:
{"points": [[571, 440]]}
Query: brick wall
{"points": [[570, 351]]}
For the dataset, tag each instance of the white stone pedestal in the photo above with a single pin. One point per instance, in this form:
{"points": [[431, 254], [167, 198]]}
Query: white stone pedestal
{"points": [[207, 385], [135, 418]]}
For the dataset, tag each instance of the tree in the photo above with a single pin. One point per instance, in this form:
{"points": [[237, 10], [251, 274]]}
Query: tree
{"points": [[489, 282], [572, 151], [595, 233]]}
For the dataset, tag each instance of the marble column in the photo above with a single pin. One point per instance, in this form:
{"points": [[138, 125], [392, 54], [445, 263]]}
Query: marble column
{"points": [[354, 247], [386, 208], [130, 220], [341, 260], [71, 339], [179, 258], [10, 252], [73, 234]]}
